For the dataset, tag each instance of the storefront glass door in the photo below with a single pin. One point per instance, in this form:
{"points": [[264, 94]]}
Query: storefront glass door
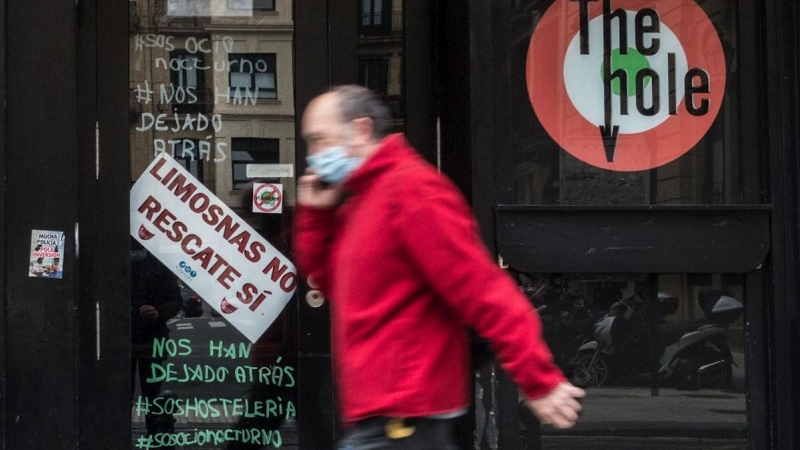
{"points": [[622, 126], [216, 92], [213, 301], [662, 358]]}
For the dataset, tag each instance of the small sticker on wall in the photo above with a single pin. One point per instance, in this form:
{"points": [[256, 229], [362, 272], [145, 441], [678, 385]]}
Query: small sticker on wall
{"points": [[47, 254], [268, 198]]}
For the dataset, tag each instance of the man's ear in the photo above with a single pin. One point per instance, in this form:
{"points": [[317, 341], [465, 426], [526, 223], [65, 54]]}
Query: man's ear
{"points": [[363, 131]]}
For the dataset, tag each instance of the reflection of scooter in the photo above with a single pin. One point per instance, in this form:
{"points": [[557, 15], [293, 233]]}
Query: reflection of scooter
{"points": [[567, 323], [692, 355]]}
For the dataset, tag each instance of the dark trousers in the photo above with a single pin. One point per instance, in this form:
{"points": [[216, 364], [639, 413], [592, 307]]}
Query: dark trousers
{"points": [[413, 434], [148, 390]]}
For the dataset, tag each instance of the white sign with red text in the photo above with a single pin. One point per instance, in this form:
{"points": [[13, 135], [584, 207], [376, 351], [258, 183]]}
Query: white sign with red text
{"points": [[214, 251]]}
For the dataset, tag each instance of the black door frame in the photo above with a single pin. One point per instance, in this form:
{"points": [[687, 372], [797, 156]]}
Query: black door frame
{"points": [[3, 318], [40, 193], [781, 45], [326, 55], [770, 108], [48, 166], [315, 391], [104, 177]]}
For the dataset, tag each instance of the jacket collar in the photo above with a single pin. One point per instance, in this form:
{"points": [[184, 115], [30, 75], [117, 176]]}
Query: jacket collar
{"points": [[390, 151]]}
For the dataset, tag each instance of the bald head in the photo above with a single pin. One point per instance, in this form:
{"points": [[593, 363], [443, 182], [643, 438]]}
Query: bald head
{"points": [[357, 101], [351, 116]]}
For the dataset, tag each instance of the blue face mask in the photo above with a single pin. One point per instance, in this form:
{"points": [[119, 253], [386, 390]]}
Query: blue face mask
{"points": [[333, 165]]}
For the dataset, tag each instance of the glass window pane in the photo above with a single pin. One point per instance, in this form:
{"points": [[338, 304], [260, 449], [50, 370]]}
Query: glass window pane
{"points": [[241, 80], [265, 80], [267, 94], [366, 12], [558, 156], [197, 370], [187, 153], [264, 5], [661, 357], [195, 169], [260, 70], [238, 5], [239, 171], [241, 156], [377, 14], [381, 68], [191, 75], [252, 150]]}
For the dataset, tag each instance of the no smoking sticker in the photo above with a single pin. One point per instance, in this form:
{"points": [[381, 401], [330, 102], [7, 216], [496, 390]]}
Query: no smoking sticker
{"points": [[626, 85], [267, 198]]}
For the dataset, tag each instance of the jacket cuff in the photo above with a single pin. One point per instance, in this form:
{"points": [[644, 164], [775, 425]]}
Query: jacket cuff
{"points": [[544, 387]]}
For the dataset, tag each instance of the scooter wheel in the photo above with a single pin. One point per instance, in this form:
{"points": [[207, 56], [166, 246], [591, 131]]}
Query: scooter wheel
{"points": [[591, 370]]}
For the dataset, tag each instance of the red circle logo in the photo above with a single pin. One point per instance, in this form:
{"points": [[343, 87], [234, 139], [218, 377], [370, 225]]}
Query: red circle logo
{"points": [[267, 197], [626, 85]]}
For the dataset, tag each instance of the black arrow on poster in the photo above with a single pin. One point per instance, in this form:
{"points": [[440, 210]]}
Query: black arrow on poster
{"points": [[608, 131]]}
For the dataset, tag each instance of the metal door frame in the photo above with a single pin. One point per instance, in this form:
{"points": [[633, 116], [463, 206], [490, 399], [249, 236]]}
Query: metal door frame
{"points": [[772, 139]]}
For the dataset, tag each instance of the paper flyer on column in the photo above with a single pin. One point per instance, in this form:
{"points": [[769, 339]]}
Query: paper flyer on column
{"points": [[47, 254]]}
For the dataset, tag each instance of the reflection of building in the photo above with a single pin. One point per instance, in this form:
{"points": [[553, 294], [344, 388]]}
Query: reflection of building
{"points": [[380, 52], [215, 92]]}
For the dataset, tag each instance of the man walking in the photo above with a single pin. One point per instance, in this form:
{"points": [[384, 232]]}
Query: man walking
{"points": [[394, 246]]}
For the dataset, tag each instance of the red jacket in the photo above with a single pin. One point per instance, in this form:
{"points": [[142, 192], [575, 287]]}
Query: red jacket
{"points": [[406, 273]]}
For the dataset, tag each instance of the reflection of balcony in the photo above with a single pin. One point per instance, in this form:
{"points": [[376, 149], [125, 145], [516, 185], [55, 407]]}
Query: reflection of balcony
{"points": [[397, 22], [376, 25], [161, 19], [134, 107], [133, 16], [397, 105]]}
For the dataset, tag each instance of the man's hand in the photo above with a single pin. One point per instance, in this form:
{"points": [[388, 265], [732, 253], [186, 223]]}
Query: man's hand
{"points": [[560, 407], [149, 313], [312, 192]]}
